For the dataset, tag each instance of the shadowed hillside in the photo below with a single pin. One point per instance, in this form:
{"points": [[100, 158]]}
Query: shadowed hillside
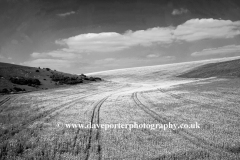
{"points": [[16, 78], [220, 69]]}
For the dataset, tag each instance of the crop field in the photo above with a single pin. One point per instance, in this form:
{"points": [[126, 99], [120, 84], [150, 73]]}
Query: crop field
{"points": [[33, 125]]}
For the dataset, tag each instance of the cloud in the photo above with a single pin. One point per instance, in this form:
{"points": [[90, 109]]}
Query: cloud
{"points": [[198, 29], [62, 54], [58, 59], [191, 30], [152, 55], [179, 11], [66, 14], [50, 63], [230, 49], [112, 41]]}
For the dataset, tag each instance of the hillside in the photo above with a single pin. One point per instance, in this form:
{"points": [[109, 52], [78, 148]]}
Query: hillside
{"points": [[157, 75], [219, 69], [16, 78]]}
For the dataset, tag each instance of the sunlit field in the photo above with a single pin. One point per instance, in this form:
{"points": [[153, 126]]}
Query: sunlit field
{"points": [[32, 125]]}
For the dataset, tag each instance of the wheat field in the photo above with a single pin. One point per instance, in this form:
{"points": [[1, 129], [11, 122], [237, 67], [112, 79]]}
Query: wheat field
{"points": [[32, 124]]}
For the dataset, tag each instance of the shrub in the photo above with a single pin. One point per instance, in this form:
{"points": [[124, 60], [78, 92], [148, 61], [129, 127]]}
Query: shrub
{"points": [[86, 78], [25, 81], [5, 90], [83, 75], [48, 69], [97, 78], [17, 89], [62, 79], [92, 79], [74, 81], [37, 70]]}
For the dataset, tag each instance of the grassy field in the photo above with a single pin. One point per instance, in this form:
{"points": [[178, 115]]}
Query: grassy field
{"points": [[32, 125], [20, 79]]}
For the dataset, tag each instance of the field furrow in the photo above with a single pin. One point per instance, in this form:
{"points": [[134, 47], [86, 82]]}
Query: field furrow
{"points": [[182, 132]]}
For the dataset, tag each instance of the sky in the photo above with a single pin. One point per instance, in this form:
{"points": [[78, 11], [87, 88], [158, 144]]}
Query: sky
{"points": [[84, 36]]}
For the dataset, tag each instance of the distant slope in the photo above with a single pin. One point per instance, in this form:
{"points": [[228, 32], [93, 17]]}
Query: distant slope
{"points": [[160, 75], [220, 69], [16, 78]]}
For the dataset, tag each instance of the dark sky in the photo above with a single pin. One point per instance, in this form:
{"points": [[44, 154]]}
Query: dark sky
{"points": [[85, 36]]}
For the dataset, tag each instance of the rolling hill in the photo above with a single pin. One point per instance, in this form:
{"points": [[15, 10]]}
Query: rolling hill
{"points": [[219, 69], [171, 72], [16, 78]]}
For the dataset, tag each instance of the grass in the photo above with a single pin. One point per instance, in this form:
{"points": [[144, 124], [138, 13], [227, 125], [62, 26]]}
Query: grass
{"points": [[222, 69], [32, 79], [29, 130]]}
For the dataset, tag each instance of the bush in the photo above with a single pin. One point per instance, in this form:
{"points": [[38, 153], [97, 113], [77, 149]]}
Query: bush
{"points": [[18, 89], [62, 79], [83, 75], [5, 90], [74, 81], [37, 70], [86, 78], [25, 81], [97, 78], [92, 79], [48, 69]]}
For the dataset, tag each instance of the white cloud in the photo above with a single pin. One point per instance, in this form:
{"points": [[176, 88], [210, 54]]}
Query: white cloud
{"points": [[191, 30], [66, 14], [230, 49], [179, 11], [153, 55], [198, 29], [62, 54], [112, 41], [50, 63]]}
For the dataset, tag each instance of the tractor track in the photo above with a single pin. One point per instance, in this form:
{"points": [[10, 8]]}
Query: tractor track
{"points": [[7, 100], [199, 142], [62, 109], [82, 92], [32, 119], [2, 102], [94, 143], [44, 115], [209, 106]]}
